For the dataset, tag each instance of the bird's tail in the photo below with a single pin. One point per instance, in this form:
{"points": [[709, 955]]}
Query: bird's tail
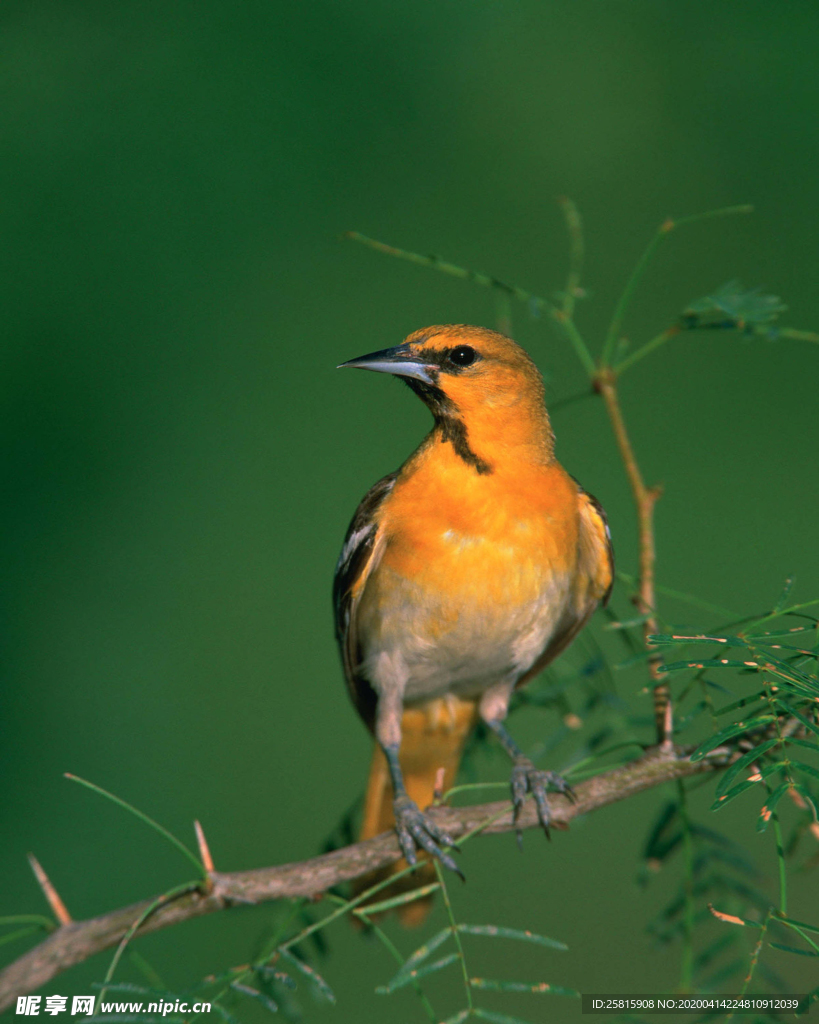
{"points": [[432, 737]]}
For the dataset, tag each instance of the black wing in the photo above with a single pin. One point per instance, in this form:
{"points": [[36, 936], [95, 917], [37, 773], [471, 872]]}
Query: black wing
{"points": [[359, 555]]}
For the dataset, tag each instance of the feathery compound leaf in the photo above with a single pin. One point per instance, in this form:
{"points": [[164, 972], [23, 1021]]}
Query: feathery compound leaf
{"points": [[318, 983], [489, 985], [495, 932], [405, 978], [728, 733], [769, 806], [731, 305], [744, 762]]}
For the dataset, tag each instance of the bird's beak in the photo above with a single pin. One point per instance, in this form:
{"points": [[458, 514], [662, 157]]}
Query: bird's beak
{"points": [[397, 361]]}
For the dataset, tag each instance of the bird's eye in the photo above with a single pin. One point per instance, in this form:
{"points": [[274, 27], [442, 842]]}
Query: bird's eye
{"points": [[463, 355]]}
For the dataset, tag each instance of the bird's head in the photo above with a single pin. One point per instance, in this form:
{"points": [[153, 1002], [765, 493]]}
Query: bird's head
{"points": [[473, 380]]}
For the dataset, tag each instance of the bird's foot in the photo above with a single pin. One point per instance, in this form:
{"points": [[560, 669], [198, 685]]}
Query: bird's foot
{"points": [[416, 829], [528, 779]]}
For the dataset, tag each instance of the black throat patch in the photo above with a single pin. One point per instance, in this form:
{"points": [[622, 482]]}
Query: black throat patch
{"points": [[453, 428]]}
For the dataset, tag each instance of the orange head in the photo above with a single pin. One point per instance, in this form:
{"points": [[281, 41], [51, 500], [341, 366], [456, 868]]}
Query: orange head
{"points": [[479, 385]]}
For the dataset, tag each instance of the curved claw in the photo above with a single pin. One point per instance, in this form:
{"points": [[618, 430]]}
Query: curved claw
{"points": [[415, 829], [528, 779]]}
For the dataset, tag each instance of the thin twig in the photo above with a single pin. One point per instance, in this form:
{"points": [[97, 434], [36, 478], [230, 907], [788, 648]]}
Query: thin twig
{"points": [[644, 499], [73, 943]]}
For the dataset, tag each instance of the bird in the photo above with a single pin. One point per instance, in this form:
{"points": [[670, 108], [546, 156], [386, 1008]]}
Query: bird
{"points": [[462, 575]]}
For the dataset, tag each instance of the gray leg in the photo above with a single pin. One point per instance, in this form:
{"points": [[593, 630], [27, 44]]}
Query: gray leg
{"points": [[413, 827], [525, 777]]}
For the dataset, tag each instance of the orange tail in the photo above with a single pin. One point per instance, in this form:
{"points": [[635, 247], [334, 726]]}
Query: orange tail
{"points": [[432, 737]]}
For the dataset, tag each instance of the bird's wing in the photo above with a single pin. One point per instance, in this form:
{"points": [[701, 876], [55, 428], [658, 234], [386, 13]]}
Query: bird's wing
{"points": [[361, 553], [596, 551], [595, 577]]}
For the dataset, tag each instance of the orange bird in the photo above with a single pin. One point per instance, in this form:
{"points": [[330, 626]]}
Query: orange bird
{"points": [[462, 575]]}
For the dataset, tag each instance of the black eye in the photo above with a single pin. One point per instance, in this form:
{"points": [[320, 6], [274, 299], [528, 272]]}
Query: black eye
{"points": [[463, 355]]}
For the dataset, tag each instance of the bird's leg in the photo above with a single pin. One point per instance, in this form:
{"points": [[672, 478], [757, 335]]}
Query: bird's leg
{"points": [[526, 778], [413, 827]]}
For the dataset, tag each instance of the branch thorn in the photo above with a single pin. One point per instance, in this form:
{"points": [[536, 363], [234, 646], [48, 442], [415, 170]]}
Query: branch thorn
{"points": [[58, 908], [204, 853], [438, 791]]}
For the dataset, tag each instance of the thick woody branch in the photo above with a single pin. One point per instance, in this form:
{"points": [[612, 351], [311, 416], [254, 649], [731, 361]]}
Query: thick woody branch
{"points": [[76, 941]]}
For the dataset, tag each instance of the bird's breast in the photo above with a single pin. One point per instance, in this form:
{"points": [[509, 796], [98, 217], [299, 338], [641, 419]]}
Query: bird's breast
{"points": [[470, 586]]}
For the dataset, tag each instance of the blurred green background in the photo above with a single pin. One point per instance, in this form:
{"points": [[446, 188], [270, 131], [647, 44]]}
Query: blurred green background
{"points": [[180, 457]]}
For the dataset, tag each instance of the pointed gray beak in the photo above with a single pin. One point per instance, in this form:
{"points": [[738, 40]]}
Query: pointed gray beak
{"points": [[397, 361]]}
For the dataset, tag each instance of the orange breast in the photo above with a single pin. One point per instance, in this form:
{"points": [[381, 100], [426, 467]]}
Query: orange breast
{"points": [[482, 538]]}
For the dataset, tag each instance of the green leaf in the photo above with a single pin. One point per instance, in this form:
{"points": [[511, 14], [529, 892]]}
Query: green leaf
{"points": [[496, 932], [459, 1018], [271, 974], [769, 807], [496, 1018], [801, 743], [397, 901], [21, 933], [655, 849], [741, 703], [808, 769], [795, 679], [744, 762], [726, 798], [663, 639], [799, 924], [254, 993], [404, 977], [489, 985], [142, 817], [796, 714], [808, 796], [728, 733], [319, 984], [786, 593], [225, 1014], [707, 956], [793, 949], [420, 954], [679, 666], [39, 919]]}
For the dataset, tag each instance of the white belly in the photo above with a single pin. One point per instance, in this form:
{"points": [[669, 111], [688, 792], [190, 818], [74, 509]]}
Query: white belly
{"points": [[427, 650]]}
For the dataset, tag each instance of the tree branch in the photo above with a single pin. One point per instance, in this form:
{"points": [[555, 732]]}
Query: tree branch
{"points": [[76, 941], [645, 498]]}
